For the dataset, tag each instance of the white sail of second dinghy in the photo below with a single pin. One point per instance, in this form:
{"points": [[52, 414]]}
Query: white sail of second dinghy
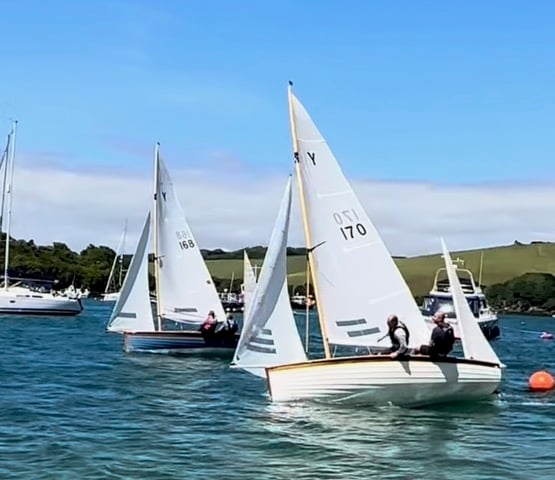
{"points": [[349, 257], [186, 292], [475, 346], [249, 282], [132, 311], [269, 336]]}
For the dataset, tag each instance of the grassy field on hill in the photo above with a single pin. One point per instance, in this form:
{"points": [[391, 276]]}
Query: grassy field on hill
{"points": [[500, 264]]}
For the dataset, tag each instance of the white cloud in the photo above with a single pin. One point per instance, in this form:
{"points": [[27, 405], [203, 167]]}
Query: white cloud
{"points": [[232, 209]]}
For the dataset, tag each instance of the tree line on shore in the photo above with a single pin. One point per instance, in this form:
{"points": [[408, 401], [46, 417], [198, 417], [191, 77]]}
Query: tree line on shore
{"points": [[90, 268]]}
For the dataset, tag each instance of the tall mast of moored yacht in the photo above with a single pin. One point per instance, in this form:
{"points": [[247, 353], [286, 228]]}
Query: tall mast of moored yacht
{"points": [[155, 235], [10, 165], [5, 161], [308, 240]]}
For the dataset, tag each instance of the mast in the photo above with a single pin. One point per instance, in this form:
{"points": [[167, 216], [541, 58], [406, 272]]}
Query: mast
{"points": [[155, 236], [307, 306], [122, 252], [481, 268], [10, 165], [5, 161], [119, 254], [230, 286], [309, 247]]}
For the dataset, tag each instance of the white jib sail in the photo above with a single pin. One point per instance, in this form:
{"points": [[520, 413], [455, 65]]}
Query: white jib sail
{"points": [[132, 311], [187, 292], [475, 345], [269, 336], [359, 285], [249, 283]]}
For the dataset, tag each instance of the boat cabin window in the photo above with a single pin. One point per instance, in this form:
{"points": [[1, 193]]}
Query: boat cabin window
{"points": [[432, 305]]}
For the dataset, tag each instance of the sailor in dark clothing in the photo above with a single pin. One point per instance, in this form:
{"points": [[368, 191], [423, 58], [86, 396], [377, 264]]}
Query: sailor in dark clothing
{"points": [[442, 339], [398, 335], [231, 324]]}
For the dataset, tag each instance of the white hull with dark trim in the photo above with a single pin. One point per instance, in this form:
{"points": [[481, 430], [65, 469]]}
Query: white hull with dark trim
{"points": [[22, 301], [380, 380], [179, 342]]}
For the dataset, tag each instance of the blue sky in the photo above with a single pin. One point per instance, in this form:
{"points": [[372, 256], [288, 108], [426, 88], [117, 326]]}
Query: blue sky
{"points": [[441, 114], [448, 92]]}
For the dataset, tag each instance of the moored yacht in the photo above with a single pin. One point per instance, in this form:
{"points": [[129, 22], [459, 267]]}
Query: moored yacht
{"points": [[440, 300], [22, 296]]}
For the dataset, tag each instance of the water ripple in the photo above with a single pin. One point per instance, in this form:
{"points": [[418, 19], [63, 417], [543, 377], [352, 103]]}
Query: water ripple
{"points": [[74, 405]]}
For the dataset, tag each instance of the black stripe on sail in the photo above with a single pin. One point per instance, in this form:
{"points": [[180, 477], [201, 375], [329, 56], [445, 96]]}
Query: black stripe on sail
{"points": [[263, 341], [127, 315], [256, 348], [185, 310], [266, 331], [350, 323], [361, 333]]}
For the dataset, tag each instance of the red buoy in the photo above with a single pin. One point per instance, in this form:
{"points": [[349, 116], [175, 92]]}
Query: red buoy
{"points": [[541, 382]]}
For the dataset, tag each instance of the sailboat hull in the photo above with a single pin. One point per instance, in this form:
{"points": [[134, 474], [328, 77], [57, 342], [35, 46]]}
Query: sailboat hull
{"points": [[178, 342], [380, 380], [31, 303]]}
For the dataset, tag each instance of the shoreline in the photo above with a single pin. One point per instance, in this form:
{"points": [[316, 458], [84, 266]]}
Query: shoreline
{"points": [[527, 313]]}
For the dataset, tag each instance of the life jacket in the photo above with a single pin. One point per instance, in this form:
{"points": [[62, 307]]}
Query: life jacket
{"points": [[208, 324], [443, 339], [395, 345]]}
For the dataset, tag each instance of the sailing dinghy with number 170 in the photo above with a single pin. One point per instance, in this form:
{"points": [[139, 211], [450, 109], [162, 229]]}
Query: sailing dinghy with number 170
{"points": [[357, 286]]}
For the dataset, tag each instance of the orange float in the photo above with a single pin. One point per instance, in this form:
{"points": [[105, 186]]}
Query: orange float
{"points": [[541, 381]]}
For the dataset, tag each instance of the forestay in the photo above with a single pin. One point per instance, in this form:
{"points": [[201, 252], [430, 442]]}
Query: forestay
{"points": [[249, 282], [186, 289], [475, 346], [269, 336], [132, 311], [359, 285]]}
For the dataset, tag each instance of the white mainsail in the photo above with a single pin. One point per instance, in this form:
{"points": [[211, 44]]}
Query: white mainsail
{"points": [[358, 283], [132, 311], [185, 288], [249, 282], [269, 336], [475, 346]]}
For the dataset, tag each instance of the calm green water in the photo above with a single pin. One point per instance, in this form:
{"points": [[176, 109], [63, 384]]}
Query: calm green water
{"points": [[73, 405]]}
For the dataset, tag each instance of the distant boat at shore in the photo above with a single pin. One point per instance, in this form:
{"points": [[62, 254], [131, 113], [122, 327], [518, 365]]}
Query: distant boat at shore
{"points": [[113, 285], [24, 297]]}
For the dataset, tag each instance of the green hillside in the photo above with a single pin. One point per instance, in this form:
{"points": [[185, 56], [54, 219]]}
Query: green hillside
{"points": [[500, 264]]}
